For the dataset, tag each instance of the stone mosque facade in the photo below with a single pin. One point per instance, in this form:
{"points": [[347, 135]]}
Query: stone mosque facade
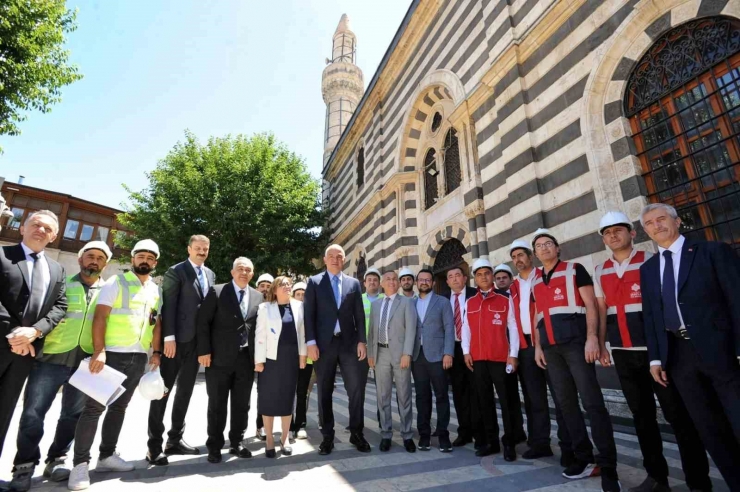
{"points": [[488, 119]]}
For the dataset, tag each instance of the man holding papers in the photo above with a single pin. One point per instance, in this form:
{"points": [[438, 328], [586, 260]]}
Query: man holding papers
{"points": [[125, 326], [65, 347]]}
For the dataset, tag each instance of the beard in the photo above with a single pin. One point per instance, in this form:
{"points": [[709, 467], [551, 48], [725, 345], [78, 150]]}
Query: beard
{"points": [[407, 288], [142, 269], [425, 289], [91, 272]]}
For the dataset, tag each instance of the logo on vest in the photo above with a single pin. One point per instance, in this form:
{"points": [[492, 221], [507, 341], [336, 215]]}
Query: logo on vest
{"points": [[636, 293], [497, 319], [558, 295]]}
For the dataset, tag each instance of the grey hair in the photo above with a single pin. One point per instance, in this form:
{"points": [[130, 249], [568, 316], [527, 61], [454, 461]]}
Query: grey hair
{"points": [[336, 247], [243, 260], [45, 213], [657, 206]]}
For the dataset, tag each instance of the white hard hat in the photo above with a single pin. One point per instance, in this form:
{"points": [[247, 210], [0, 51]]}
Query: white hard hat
{"points": [[519, 244], [405, 271], [503, 267], [298, 286], [481, 263], [612, 219], [543, 232], [96, 245], [265, 277], [371, 271], [151, 385], [146, 245]]}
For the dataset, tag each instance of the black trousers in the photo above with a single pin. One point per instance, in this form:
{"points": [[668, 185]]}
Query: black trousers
{"points": [[354, 375], [183, 368], [428, 376], [221, 383], [572, 377], [14, 370], [488, 375], [515, 404], [633, 369], [469, 424], [301, 405], [713, 401], [535, 382]]}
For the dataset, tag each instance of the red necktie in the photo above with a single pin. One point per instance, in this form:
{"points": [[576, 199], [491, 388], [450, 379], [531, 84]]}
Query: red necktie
{"points": [[458, 318]]}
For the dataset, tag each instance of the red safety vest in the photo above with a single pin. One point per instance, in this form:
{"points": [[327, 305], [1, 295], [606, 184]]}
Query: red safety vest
{"points": [[515, 298], [623, 298], [487, 322], [560, 311]]}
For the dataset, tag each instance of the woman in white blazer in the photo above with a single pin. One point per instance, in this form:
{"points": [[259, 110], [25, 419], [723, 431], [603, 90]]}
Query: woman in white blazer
{"points": [[280, 350]]}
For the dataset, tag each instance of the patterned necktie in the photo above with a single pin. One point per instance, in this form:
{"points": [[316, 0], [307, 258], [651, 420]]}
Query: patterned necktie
{"points": [[242, 306], [335, 288], [458, 318], [382, 335], [670, 311], [202, 280], [33, 308]]}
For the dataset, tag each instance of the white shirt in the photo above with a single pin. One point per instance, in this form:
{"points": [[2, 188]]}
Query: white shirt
{"points": [[45, 273], [463, 310], [510, 325], [525, 294], [107, 297], [245, 301], [205, 278], [388, 319], [674, 248]]}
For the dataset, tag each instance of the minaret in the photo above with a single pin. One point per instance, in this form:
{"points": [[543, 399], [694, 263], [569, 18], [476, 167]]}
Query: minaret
{"points": [[342, 85]]}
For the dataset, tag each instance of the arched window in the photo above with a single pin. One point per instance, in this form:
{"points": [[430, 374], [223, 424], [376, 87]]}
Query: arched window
{"points": [[361, 166], [683, 101], [452, 162], [431, 191]]}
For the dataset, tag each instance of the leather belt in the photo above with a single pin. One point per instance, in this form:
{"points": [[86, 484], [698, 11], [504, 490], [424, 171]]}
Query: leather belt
{"points": [[384, 345], [681, 334]]}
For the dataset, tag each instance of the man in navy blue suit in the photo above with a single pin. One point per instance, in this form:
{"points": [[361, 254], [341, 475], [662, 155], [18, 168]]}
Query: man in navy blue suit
{"points": [[335, 334], [692, 329]]}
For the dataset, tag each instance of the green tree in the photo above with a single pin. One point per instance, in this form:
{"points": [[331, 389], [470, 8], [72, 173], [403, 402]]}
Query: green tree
{"points": [[33, 63], [250, 195]]}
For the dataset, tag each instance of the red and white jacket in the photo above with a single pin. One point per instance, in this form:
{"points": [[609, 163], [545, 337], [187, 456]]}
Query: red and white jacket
{"points": [[515, 291], [485, 333], [560, 311]]}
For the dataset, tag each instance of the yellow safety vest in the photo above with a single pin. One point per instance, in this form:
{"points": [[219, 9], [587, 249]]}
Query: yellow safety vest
{"points": [[76, 327], [130, 315]]}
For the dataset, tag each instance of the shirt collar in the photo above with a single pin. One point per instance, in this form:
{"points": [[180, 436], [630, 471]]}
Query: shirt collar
{"points": [[78, 278], [331, 276], [28, 251], [237, 288], [629, 258], [195, 267], [676, 247], [528, 279], [393, 297]]}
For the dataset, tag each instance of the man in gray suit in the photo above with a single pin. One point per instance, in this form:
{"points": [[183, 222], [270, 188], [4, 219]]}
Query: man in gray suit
{"points": [[433, 352], [390, 344]]}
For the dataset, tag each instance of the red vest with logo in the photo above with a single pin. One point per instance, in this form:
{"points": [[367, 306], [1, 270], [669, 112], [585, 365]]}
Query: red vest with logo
{"points": [[515, 298], [487, 321], [623, 297], [560, 311]]}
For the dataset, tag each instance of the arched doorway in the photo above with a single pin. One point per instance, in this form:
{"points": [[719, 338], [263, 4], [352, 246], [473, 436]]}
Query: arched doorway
{"points": [[449, 255]]}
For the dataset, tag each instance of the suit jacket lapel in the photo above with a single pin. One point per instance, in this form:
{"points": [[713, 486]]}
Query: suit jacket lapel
{"points": [[255, 299], [328, 290], [345, 287], [687, 258], [20, 260], [394, 306], [193, 278], [233, 297]]}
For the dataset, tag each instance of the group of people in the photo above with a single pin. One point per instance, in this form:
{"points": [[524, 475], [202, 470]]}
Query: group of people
{"points": [[672, 328]]}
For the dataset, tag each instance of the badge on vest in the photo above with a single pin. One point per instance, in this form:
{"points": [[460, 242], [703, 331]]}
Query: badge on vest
{"points": [[636, 292], [497, 319], [558, 295]]}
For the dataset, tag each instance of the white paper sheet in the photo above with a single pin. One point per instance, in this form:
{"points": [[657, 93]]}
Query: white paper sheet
{"points": [[104, 387]]}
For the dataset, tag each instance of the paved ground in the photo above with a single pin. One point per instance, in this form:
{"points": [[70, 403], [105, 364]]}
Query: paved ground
{"points": [[344, 469]]}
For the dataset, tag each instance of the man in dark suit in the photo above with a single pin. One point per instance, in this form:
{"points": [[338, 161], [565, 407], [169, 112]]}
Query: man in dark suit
{"points": [[32, 303], [184, 287], [226, 324], [692, 329], [335, 334]]}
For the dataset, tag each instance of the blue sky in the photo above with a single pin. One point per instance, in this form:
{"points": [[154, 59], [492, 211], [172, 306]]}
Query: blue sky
{"points": [[155, 68]]}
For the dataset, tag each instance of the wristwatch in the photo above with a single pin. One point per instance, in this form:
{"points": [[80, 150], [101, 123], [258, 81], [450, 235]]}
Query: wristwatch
{"points": [[158, 352]]}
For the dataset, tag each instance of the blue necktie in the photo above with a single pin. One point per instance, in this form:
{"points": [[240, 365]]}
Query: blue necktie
{"points": [[201, 280], [335, 288], [243, 334], [671, 320]]}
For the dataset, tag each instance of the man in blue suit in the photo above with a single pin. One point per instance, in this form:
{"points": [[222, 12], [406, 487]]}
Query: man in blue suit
{"points": [[335, 334], [692, 329], [434, 348]]}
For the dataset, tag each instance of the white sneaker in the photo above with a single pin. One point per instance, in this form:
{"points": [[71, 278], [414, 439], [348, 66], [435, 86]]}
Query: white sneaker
{"points": [[114, 463], [79, 478], [302, 434]]}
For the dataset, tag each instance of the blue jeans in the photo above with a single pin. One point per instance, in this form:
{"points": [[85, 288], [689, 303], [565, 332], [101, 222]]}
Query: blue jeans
{"points": [[42, 387]]}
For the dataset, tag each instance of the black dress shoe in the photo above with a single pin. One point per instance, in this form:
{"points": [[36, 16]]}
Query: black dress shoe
{"points": [[425, 443], [445, 445], [409, 445], [326, 446], [509, 453], [485, 450], [241, 451], [534, 453], [180, 447], [385, 445], [157, 459], [461, 441], [270, 453], [358, 440], [214, 457]]}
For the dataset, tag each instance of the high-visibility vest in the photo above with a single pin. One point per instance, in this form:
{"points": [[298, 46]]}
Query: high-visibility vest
{"points": [[515, 298], [76, 327], [367, 303], [560, 311], [623, 298], [130, 317], [487, 320]]}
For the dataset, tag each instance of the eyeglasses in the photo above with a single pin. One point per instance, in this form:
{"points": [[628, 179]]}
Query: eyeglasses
{"points": [[423, 280], [545, 245]]}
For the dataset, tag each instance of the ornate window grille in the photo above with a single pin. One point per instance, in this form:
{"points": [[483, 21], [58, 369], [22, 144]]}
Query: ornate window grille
{"points": [[452, 162], [431, 190], [683, 101], [450, 255], [361, 167]]}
